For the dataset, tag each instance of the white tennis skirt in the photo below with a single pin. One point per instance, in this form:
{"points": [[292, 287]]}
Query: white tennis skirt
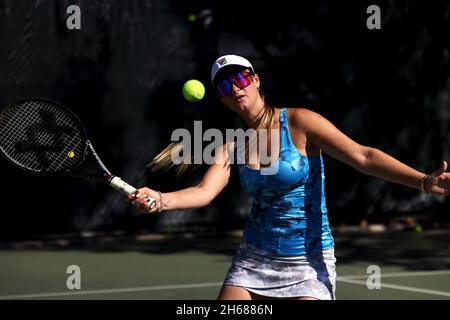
{"points": [[263, 273]]}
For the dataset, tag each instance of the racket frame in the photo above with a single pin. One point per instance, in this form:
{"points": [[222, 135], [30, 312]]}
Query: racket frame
{"points": [[107, 177]]}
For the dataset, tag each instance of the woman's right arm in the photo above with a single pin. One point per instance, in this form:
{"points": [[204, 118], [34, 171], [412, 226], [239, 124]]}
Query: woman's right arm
{"points": [[200, 195]]}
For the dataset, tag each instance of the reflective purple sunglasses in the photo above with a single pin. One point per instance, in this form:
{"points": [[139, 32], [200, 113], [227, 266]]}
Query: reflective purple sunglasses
{"points": [[241, 80]]}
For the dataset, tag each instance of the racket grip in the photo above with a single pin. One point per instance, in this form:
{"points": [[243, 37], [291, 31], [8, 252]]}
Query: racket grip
{"points": [[120, 185]]}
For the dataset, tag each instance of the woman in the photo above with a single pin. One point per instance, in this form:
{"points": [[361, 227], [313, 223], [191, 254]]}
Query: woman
{"points": [[287, 249]]}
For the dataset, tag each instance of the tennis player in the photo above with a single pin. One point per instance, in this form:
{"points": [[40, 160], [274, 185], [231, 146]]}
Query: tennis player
{"points": [[287, 249]]}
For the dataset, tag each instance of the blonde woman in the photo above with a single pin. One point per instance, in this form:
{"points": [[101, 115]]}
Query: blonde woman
{"points": [[287, 250]]}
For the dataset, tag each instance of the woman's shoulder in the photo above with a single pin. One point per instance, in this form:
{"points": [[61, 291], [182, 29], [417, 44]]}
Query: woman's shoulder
{"points": [[301, 117]]}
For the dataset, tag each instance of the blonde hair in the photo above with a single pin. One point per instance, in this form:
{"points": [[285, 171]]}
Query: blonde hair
{"points": [[163, 160]]}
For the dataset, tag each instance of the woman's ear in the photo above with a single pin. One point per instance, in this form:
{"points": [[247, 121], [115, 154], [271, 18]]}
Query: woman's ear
{"points": [[256, 79]]}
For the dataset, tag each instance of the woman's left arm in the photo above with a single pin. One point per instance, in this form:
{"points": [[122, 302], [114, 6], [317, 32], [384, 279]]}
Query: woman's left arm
{"points": [[371, 161]]}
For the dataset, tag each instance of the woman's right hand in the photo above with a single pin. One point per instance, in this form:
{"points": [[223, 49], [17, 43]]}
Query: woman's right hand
{"points": [[139, 200]]}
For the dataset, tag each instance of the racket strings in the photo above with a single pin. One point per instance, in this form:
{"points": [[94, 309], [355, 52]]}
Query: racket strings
{"points": [[42, 137]]}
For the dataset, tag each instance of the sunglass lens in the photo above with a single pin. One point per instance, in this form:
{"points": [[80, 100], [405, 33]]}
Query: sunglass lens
{"points": [[240, 80], [224, 87]]}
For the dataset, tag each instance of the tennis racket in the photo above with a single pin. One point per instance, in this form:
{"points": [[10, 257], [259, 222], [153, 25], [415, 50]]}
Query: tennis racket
{"points": [[45, 138]]}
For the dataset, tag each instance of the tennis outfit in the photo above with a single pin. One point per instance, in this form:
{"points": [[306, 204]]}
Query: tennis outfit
{"points": [[287, 248]]}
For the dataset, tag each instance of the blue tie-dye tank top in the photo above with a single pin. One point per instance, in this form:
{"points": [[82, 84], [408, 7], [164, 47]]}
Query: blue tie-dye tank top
{"points": [[289, 214]]}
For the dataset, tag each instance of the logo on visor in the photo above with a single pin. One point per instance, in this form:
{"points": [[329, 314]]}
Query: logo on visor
{"points": [[222, 61]]}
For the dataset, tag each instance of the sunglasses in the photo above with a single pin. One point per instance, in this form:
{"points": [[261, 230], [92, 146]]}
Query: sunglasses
{"points": [[241, 80]]}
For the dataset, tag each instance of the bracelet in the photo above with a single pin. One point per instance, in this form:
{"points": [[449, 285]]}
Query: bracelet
{"points": [[160, 202], [422, 183]]}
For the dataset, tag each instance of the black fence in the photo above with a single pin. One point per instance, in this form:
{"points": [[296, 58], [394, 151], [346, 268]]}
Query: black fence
{"points": [[122, 73]]}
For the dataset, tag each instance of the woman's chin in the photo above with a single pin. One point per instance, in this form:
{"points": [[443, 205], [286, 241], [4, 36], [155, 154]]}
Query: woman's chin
{"points": [[241, 105]]}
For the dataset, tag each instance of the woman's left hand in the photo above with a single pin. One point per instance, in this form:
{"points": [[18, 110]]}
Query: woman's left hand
{"points": [[439, 181]]}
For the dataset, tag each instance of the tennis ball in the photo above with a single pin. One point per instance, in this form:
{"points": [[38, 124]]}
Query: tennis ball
{"points": [[71, 154], [193, 90], [192, 17], [419, 228]]}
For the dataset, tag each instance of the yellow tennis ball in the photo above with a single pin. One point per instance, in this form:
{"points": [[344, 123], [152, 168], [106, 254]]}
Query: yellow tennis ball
{"points": [[192, 17], [193, 90]]}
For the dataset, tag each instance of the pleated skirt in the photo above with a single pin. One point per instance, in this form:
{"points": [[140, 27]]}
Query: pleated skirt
{"points": [[261, 272]]}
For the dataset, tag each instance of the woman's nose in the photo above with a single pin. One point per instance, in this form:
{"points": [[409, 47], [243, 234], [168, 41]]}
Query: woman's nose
{"points": [[234, 88]]}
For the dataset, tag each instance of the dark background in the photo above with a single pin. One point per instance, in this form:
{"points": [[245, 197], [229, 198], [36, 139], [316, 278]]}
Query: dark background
{"points": [[122, 74]]}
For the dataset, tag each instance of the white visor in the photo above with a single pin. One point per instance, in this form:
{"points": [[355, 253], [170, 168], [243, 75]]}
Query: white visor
{"points": [[229, 60]]}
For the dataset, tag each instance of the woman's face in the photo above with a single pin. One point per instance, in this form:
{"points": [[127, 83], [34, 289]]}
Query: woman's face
{"points": [[243, 99]]}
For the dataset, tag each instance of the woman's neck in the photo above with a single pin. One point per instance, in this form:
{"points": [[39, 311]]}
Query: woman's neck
{"points": [[251, 115]]}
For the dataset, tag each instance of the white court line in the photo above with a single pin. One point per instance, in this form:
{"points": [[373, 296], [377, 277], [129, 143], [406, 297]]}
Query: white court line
{"points": [[347, 279], [397, 287], [399, 274], [103, 291], [353, 280]]}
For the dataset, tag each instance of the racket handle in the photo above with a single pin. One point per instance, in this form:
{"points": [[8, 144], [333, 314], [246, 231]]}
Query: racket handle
{"points": [[120, 185]]}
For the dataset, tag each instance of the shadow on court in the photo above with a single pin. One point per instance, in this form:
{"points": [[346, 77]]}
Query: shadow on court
{"points": [[189, 266], [429, 250], [146, 243]]}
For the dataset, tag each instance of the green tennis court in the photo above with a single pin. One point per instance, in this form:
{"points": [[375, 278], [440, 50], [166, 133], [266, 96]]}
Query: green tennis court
{"points": [[413, 266]]}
